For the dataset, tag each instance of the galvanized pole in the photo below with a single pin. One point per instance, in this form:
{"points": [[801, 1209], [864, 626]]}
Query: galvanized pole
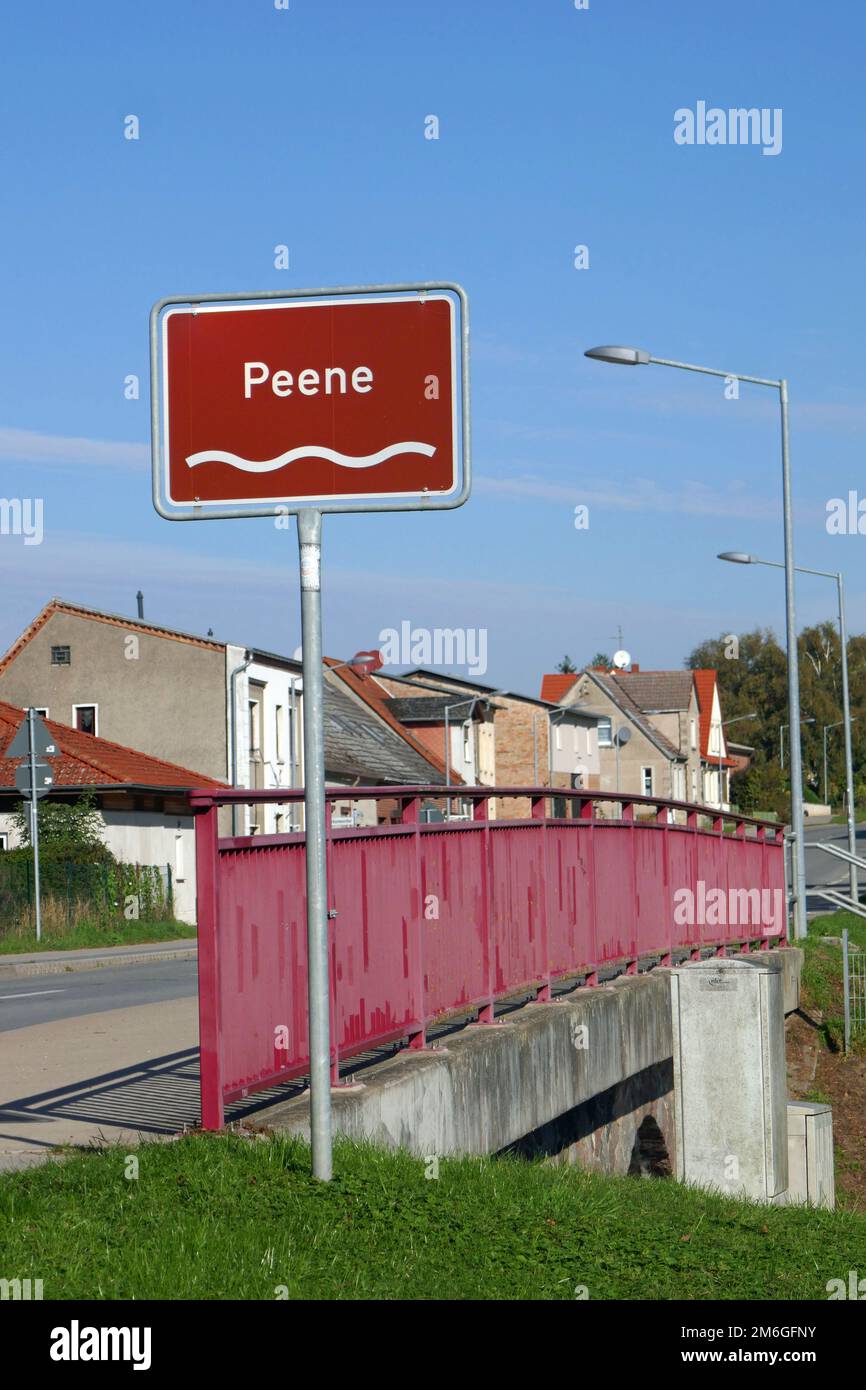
{"points": [[310, 546], [794, 751], [34, 822], [447, 766], [846, 723]]}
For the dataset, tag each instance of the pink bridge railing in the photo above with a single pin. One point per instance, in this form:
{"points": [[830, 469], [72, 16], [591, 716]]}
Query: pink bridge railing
{"points": [[436, 919]]}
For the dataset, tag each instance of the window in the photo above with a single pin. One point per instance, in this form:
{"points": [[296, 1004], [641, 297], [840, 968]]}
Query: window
{"points": [[559, 737], [280, 731], [467, 741], [646, 781], [255, 745], [84, 718], [4, 839], [61, 656], [43, 712], [605, 733], [693, 733]]}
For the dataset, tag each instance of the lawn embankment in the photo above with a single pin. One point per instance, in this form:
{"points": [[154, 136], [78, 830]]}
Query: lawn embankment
{"points": [[92, 934], [818, 1069], [230, 1217]]}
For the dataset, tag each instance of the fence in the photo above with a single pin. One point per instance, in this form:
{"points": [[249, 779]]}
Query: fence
{"points": [[428, 920], [73, 892], [854, 987]]}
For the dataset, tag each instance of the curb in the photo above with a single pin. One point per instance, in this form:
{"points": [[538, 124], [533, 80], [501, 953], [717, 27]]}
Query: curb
{"points": [[28, 966]]}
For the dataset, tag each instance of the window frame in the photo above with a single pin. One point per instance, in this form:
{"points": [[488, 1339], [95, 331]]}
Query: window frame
{"points": [[86, 704]]}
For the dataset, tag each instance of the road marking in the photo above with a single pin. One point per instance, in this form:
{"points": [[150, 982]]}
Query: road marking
{"points": [[30, 993]]}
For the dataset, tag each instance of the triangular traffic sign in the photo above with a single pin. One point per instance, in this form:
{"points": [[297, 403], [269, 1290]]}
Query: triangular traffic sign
{"points": [[44, 744]]}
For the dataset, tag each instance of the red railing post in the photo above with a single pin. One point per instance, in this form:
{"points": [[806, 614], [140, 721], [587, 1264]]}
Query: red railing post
{"points": [[333, 925], [410, 814], [209, 1002], [662, 818], [481, 812], [539, 813], [587, 816], [626, 815]]}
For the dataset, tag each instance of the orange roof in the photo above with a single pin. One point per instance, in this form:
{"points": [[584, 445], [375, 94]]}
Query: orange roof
{"points": [[705, 685], [86, 760], [554, 686]]}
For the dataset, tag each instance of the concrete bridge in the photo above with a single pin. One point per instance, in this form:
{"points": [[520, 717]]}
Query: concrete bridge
{"points": [[495, 983]]}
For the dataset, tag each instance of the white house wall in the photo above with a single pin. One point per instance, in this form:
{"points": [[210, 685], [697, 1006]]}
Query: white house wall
{"points": [[146, 837], [276, 686]]}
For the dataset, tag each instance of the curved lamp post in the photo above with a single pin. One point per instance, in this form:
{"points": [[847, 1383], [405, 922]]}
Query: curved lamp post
{"points": [[634, 357], [739, 557]]}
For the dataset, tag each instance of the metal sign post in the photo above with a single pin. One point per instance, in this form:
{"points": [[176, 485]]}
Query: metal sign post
{"points": [[33, 780], [303, 402], [34, 824], [310, 547]]}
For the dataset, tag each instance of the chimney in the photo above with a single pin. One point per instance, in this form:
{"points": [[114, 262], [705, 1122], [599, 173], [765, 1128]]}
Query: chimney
{"points": [[140, 598]]}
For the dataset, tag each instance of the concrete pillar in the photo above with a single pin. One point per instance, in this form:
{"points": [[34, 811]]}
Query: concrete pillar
{"points": [[810, 1154], [729, 1076]]}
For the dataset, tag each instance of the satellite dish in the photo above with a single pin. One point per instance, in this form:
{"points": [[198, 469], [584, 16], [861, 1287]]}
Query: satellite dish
{"points": [[621, 660], [623, 735]]}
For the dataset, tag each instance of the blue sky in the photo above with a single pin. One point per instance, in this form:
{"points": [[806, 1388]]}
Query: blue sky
{"points": [[306, 127]]}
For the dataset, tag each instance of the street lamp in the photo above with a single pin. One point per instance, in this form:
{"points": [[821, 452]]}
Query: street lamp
{"points": [[739, 558], [633, 357], [725, 722], [782, 728]]}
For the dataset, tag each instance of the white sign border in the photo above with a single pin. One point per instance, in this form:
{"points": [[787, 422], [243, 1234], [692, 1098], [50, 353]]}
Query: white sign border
{"points": [[227, 509]]}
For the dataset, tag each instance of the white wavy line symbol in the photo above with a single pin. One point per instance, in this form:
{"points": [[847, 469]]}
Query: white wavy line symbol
{"points": [[316, 451]]}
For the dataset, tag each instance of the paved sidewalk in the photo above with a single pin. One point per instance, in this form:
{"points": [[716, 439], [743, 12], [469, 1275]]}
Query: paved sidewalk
{"points": [[59, 962], [108, 1078]]}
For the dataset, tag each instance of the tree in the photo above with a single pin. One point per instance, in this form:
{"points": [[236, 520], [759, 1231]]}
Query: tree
{"points": [[75, 824], [601, 659], [752, 675], [567, 667]]}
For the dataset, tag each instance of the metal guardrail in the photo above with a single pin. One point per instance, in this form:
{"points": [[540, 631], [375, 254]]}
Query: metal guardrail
{"points": [[433, 920]]}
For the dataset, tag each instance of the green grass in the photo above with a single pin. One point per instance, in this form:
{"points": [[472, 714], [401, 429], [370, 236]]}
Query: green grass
{"points": [[219, 1217], [88, 934], [821, 981]]}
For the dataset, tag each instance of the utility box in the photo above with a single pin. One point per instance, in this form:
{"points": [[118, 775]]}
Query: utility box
{"points": [[810, 1154], [730, 1087]]}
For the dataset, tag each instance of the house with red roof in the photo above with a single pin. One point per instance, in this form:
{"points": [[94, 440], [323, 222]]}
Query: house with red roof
{"points": [[226, 710], [660, 732], [141, 799]]}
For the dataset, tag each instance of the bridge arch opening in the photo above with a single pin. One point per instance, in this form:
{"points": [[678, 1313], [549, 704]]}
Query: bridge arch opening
{"points": [[649, 1155]]}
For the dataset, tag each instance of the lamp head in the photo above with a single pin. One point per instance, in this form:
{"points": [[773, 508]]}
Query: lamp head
{"points": [[624, 356], [736, 557]]}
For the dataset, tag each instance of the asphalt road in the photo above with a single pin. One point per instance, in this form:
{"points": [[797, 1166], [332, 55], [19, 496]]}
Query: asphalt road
{"points": [[824, 870], [47, 998]]}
